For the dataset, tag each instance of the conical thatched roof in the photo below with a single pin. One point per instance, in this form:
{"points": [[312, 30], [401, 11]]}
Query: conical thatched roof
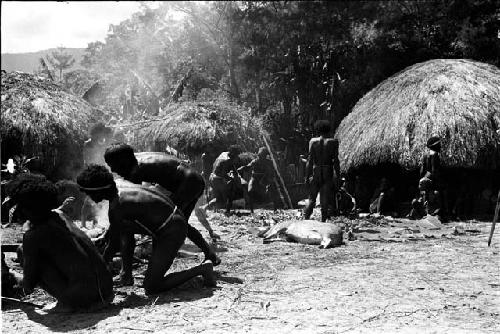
{"points": [[40, 119], [190, 126], [456, 99]]}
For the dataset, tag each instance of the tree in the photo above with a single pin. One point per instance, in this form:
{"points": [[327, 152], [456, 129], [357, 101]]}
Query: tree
{"points": [[61, 60]]}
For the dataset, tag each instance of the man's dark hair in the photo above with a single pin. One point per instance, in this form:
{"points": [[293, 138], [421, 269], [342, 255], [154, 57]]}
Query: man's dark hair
{"points": [[118, 153], [99, 129], [37, 195], [322, 126], [95, 176]]}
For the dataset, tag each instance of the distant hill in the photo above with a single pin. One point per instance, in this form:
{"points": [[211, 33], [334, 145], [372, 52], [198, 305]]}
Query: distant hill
{"points": [[29, 61]]}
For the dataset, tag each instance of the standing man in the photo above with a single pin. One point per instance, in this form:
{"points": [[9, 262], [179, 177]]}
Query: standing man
{"points": [[185, 184], [225, 179], [261, 183], [322, 169], [137, 209]]}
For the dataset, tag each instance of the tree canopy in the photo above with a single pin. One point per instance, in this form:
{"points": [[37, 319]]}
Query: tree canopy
{"points": [[290, 62]]}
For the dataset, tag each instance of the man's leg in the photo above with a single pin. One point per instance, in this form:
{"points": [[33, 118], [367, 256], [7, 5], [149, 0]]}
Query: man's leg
{"points": [[186, 198], [165, 250], [326, 200], [251, 193], [313, 193], [218, 186]]}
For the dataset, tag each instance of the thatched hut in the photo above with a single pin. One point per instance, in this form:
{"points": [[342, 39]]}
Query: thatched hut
{"points": [[456, 99], [191, 127], [40, 119]]}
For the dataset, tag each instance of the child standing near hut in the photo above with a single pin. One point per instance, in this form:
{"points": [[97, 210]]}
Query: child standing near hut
{"points": [[431, 169], [322, 169]]}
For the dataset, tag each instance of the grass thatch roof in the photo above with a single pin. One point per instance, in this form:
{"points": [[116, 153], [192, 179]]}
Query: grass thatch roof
{"points": [[40, 119], [190, 127], [456, 99]]}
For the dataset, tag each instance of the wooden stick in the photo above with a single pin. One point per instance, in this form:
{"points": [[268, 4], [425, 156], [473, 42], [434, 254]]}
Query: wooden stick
{"points": [[495, 218], [278, 172], [21, 302]]}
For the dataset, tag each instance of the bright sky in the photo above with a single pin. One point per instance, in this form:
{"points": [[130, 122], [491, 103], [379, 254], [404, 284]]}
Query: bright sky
{"points": [[34, 26]]}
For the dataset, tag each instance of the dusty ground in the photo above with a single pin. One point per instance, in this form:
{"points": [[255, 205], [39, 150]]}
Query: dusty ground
{"points": [[449, 284]]}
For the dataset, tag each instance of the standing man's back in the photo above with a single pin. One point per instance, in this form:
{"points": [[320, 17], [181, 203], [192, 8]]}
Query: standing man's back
{"points": [[322, 168]]}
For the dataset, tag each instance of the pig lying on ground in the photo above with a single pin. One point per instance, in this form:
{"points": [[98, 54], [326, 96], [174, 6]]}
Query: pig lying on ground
{"points": [[310, 232]]}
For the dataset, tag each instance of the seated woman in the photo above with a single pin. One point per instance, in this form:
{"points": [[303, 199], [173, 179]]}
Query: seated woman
{"points": [[383, 200], [65, 264]]}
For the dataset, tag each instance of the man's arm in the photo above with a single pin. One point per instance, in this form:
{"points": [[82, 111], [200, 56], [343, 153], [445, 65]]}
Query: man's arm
{"points": [[422, 167], [246, 167], [435, 164], [336, 162], [113, 236], [310, 161], [30, 263]]}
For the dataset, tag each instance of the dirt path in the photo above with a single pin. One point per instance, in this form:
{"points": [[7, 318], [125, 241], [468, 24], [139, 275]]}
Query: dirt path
{"points": [[448, 285]]}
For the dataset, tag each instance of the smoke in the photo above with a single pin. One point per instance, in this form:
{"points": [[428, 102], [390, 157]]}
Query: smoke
{"points": [[101, 214]]}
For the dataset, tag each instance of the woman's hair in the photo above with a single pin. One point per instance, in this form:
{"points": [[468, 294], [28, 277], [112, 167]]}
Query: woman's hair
{"points": [[37, 195]]}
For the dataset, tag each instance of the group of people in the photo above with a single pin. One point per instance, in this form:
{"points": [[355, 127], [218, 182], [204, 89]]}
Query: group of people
{"points": [[323, 177], [227, 183], [151, 194], [154, 194]]}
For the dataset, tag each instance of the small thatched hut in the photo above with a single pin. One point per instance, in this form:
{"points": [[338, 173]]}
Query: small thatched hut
{"points": [[457, 99], [39, 119], [190, 127]]}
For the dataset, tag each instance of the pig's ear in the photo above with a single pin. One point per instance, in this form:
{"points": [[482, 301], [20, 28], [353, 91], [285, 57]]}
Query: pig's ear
{"points": [[325, 243]]}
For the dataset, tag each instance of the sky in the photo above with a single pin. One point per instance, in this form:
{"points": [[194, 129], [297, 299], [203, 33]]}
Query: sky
{"points": [[33, 26]]}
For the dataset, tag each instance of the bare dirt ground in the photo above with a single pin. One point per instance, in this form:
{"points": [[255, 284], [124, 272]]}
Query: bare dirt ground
{"points": [[447, 284]]}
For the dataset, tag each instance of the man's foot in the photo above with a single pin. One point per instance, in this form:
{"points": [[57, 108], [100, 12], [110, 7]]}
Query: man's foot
{"points": [[208, 274], [123, 280], [213, 258], [58, 307], [214, 236]]}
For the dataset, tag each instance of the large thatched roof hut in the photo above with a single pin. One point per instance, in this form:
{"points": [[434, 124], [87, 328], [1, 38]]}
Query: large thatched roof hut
{"points": [[190, 127], [457, 99], [39, 119]]}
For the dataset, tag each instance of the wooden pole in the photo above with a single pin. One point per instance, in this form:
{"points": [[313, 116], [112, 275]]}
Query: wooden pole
{"points": [[495, 218], [18, 301], [289, 201]]}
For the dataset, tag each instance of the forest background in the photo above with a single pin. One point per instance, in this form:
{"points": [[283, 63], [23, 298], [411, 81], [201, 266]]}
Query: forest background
{"points": [[289, 62]]}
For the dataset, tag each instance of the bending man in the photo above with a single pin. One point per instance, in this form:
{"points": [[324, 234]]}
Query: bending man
{"points": [[185, 184], [137, 209]]}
